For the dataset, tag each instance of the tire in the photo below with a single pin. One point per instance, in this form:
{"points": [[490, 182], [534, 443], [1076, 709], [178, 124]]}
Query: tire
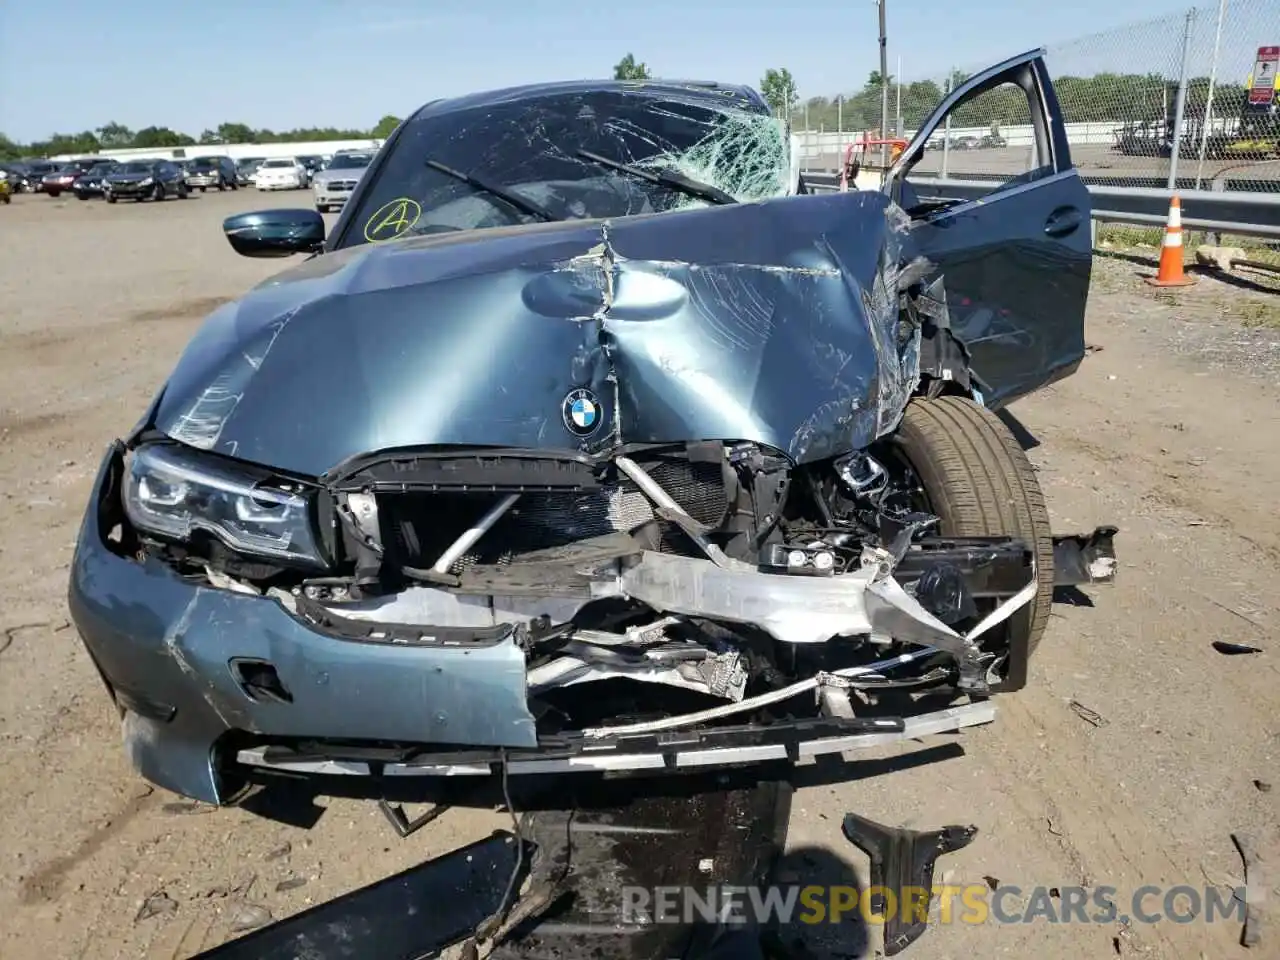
{"points": [[322, 208], [183, 191], [82, 196], [203, 189], [159, 193], [111, 199], [979, 483], [54, 193]]}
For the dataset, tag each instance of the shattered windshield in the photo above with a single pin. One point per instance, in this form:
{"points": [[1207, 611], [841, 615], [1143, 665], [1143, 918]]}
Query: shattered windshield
{"points": [[533, 146]]}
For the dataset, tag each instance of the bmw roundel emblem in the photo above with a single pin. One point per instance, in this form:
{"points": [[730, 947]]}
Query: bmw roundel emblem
{"points": [[581, 411]]}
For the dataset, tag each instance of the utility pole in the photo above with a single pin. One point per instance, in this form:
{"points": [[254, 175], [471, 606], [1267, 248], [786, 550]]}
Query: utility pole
{"points": [[884, 88], [897, 122], [1181, 101], [1207, 123]]}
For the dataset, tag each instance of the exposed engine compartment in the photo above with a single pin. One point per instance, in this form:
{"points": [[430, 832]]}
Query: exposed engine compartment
{"points": [[670, 586]]}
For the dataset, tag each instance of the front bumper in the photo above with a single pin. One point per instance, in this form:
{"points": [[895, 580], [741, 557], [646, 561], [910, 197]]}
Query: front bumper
{"points": [[331, 198], [294, 184], [185, 662], [204, 180], [172, 653], [130, 189]]}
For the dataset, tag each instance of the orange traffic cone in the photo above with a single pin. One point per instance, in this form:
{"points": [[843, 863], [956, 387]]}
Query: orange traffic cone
{"points": [[1170, 272]]}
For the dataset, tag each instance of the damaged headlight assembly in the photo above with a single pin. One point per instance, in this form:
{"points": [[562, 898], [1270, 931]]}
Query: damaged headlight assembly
{"points": [[175, 495]]}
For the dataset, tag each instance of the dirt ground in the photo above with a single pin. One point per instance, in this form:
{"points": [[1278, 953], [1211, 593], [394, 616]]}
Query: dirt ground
{"points": [[1134, 754]]}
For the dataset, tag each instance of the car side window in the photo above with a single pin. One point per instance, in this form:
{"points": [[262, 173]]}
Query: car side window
{"points": [[991, 137]]}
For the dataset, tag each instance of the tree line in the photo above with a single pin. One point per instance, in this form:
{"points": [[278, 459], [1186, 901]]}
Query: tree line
{"points": [[1103, 98], [116, 136]]}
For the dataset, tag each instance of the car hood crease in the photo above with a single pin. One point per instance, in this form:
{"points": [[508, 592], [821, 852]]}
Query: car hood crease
{"points": [[775, 322]]}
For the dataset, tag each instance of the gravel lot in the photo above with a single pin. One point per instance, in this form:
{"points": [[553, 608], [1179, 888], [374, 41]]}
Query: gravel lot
{"points": [[1170, 430]]}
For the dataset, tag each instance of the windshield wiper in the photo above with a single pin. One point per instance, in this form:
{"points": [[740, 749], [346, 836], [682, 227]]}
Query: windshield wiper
{"points": [[497, 190], [666, 178]]}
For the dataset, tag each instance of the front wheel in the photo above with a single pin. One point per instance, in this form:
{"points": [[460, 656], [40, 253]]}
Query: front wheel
{"points": [[979, 483], [110, 198], [322, 208], [54, 193], [158, 193], [81, 196], [183, 191]]}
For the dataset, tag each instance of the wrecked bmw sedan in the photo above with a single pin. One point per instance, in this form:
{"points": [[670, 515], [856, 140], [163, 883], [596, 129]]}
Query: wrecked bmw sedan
{"points": [[590, 439]]}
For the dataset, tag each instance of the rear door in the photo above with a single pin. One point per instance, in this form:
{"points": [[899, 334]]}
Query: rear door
{"points": [[1007, 227]]}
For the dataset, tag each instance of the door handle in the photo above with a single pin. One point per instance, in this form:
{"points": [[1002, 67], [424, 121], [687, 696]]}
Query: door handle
{"points": [[1063, 221]]}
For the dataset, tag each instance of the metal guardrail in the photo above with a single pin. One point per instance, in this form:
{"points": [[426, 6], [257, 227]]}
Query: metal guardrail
{"points": [[1215, 211]]}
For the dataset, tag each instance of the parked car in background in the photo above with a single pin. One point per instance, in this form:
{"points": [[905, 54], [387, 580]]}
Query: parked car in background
{"points": [[992, 140], [332, 186], [14, 177], [60, 178], [205, 172], [246, 170], [90, 183], [312, 164], [964, 143], [281, 173], [145, 179], [34, 172], [64, 176]]}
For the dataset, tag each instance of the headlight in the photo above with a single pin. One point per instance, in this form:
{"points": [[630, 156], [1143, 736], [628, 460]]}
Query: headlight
{"points": [[173, 494], [146, 183]]}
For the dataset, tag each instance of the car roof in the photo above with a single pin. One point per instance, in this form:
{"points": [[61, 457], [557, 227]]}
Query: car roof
{"points": [[708, 90]]}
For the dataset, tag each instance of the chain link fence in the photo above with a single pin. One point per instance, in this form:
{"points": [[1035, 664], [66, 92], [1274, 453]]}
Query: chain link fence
{"points": [[1173, 98]]}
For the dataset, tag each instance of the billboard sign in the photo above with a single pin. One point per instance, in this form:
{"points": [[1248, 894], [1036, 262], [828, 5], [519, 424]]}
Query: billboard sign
{"points": [[1262, 82]]}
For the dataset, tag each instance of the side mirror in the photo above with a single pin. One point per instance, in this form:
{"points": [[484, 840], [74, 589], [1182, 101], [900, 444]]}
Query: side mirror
{"points": [[275, 233]]}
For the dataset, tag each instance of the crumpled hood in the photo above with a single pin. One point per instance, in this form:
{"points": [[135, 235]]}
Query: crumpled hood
{"points": [[773, 322]]}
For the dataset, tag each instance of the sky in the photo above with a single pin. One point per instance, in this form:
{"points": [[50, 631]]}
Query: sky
{"points": [[280, 64]]}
